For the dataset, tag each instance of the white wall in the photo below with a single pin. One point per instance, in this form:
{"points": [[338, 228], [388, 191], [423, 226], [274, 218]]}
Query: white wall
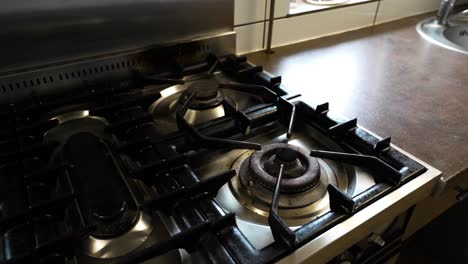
{"points": [[250, 22], [300, 28], [248, 11], [396, 9], [251, 16]]}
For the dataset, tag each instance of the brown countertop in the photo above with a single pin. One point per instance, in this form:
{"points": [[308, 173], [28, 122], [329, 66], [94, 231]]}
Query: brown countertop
{"points": [[391, 79]]}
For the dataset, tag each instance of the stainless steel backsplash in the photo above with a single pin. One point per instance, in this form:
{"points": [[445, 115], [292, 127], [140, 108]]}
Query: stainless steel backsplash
{"points": [[43, 32]]}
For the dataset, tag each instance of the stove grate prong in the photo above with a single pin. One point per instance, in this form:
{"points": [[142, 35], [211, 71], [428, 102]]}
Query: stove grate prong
{"points": [[264, 92], [250, 70], [133, 100], [340, 201], [289, 116], [218, 143], [213, 67], [152, 168], [244, 120], [382, 145], [124, 124], [209, 186], [239, 66], [35, 210], [258, 90], [322, 109], [339, 131], [205, 141], [281, 232], [388, 173], [185, 239], [61, 244]]}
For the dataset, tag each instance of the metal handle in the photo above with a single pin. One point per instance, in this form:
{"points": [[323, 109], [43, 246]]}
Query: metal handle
{"points": [[446, 7], [439, 187]]}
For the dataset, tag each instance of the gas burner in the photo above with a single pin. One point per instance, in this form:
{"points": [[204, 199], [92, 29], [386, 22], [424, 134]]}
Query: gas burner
{"points": [[301, 172], [207, 95], [303, 189], [303, 183], [207, 103]]}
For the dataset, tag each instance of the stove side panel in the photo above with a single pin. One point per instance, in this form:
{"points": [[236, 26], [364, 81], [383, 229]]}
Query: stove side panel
{"points": [[48, 31]]}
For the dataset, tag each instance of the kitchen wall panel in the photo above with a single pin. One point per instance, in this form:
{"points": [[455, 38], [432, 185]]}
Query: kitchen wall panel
{"points": [[249, 11], [290, 29], [395, 9], [281, 8], [314, 25], [250, 38]]}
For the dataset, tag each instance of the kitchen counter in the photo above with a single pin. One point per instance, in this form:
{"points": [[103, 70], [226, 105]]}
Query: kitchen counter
{"points": [[391, 79]]}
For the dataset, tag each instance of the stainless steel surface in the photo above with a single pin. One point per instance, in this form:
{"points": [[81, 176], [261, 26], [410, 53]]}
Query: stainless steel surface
{"points": [[439, 187], [445, 10], [73, 123], [164, 109], [451, 33], [363, 223], [121, 245], [252, 215], [50, 31], [17, 86], [69, 116]]}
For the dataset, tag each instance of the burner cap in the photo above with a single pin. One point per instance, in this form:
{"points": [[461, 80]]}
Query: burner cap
{"points": [[301, 172], [207, 94], [286, 155]]}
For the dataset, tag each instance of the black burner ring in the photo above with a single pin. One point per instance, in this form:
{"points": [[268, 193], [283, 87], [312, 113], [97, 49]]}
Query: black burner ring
{"points": [[300, 180], [286, 155]]}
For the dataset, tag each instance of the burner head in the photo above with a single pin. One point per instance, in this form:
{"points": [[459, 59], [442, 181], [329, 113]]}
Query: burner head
{"points": [[208, 103], [206, 95], [301, 172], [286, 155]]}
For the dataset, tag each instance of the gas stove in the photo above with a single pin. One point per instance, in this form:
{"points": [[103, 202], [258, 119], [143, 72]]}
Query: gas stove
{"points": [[182, 152], [212, 162]]}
